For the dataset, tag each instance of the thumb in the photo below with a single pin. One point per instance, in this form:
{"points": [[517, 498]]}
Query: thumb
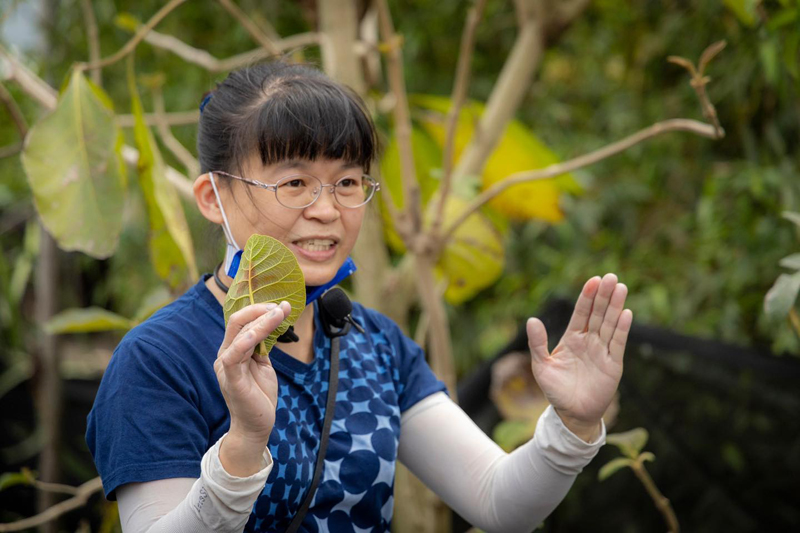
{"points": [[537, 340]]}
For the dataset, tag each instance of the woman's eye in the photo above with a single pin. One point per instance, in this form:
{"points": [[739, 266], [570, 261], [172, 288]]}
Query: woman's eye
{"points": [[294, 183], [348, 182]]}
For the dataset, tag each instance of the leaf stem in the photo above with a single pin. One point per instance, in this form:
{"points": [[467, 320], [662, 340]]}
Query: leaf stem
{"points": [[661, 501]]}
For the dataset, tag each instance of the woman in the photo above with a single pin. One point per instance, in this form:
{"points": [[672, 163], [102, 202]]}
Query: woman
{"points": [[191, 432]]}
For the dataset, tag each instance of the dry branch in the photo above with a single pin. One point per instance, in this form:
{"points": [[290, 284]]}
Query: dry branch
{"points": [[255, 32], [402, 118], [678, 124], [93, 38], [136, 39], [13, 111], [457, 101], [174, 145], [82, 495], [177, 118]]}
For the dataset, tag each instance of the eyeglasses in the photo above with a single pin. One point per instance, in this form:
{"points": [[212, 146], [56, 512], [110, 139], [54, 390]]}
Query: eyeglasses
{"points": [[299, 191]]}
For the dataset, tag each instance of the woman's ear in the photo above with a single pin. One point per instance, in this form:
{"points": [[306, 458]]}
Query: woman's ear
{"points": [[206, 199]]}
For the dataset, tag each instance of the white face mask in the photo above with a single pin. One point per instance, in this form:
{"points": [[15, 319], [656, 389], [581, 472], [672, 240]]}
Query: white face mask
{"points": [[233, 252]]}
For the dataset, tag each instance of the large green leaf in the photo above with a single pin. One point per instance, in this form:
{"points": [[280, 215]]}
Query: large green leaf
{"points": [[87, 320], [268, 272], [630, 443], [171, 250], [73, 161], [781, 297], [745, 10]]}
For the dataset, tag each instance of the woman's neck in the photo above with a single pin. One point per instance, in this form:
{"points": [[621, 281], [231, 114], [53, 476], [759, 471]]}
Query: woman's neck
{"points": [[304, 327]]}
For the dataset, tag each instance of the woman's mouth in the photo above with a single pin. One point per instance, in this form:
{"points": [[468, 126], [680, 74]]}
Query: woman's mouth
{"points": [[315, 249]]}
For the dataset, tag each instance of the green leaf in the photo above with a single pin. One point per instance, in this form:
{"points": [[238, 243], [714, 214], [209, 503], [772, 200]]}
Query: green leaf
{"points": [[9, 479], [86, 320], [510, 434], [171, 250], [745, 10], [127, 22], [268, 272], [781, 297], [791, 261], [612, 466], [647, 456], [75, 169], [24, 263], [630, 443]]}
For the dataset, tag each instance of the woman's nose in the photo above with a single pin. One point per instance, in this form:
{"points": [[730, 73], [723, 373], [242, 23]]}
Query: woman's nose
{"points": [[325, 207]]}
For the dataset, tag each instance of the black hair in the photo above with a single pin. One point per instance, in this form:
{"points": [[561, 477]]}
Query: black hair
{"points": [[283, 111]]}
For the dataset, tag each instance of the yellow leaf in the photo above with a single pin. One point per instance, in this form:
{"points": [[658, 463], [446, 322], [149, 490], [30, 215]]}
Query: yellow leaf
{"points": [[518, 150]]}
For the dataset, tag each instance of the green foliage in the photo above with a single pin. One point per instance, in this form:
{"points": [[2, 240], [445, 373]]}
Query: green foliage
{"points": [[171, 250], [74, 166], [90, 319], [268, 272]]}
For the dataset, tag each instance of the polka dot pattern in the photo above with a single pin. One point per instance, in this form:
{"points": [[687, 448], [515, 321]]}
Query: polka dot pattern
{"points": [[355, 492]]}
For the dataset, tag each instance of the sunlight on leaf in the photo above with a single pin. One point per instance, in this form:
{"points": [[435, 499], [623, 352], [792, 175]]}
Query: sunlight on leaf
{"points": [[86, 320], [268, 272], [74, 165], [171, 250]]}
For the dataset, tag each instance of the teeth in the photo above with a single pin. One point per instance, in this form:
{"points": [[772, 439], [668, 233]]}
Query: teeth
{"points": [[315, 245]]}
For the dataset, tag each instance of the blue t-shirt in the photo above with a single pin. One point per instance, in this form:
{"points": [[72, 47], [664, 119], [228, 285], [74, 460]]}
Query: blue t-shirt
{"points": [[159, 408]]}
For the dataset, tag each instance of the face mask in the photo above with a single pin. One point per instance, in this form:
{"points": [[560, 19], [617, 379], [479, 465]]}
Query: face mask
{"points": [[233, 256]]}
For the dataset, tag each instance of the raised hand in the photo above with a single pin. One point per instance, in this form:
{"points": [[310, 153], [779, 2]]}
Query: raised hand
{"points": [[581, 375], [249, 384]]}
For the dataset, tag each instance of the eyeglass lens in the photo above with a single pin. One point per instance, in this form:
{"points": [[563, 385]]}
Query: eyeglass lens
{"points": [[301, 191]]}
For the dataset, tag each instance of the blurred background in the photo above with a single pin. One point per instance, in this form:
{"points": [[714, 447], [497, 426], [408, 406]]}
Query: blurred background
{"points": [[703, 231]]}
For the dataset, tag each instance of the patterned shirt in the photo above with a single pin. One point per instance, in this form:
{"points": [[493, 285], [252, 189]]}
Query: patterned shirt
{"points": [[159, 408]]}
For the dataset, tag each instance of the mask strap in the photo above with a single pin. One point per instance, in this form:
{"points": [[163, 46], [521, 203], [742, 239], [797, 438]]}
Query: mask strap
{"points": [[226, 228]]}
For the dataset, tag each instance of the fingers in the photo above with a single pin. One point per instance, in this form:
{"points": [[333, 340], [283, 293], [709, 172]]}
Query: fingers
{"points": [[537, 340], [600, 304], [243, 345], [583, 308], [241, 318], [615, 307], [620, 338]]}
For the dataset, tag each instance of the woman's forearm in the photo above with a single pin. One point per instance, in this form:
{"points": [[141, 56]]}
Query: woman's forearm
{"points": [[217, 501], [491, 489]]}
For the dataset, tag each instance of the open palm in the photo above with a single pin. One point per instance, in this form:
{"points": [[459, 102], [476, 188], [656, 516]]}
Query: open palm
{"points": [[581, 375]]}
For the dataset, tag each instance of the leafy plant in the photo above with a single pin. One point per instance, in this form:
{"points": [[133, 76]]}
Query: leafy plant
{"points": [[268, 272], [630, 443], [779, 301]]}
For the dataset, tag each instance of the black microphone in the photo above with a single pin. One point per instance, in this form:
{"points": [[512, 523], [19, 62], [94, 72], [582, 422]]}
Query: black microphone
{"points": [[335, 313]]}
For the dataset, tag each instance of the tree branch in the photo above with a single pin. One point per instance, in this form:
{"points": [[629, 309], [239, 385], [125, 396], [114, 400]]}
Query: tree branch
{"points": [[402, 118], [255, 32], [13, 110], [93, 39], [174, 145], [82, 495], [457, 101], [678, 124], [506, 96], [178, 118], [136, 39]]}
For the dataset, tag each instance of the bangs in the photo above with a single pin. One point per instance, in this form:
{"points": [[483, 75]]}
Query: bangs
{"points": [[306, 118]]}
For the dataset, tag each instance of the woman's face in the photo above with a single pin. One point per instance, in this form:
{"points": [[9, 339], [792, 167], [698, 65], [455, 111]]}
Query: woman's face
{"points": [[321, 235]]}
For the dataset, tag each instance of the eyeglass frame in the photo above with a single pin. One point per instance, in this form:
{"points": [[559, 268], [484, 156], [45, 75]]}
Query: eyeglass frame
{"points": [[274, 187]]}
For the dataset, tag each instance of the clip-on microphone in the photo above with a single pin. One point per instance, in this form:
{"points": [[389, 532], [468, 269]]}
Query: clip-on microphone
{"points": [[335, 309]]}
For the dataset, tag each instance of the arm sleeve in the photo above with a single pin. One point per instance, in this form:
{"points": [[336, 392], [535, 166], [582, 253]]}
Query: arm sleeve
{"points": [[492, 489], [217, 501]]}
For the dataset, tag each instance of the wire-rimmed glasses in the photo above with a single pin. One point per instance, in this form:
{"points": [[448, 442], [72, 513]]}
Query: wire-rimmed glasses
{"points": [[298, 191]]}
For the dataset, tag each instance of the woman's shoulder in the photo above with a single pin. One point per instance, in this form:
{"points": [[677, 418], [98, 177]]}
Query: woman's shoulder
{"points": [[188, 324]]}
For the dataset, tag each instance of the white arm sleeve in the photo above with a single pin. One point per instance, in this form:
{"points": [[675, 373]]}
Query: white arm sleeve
{"points": [[492, 489], [217, 501]]}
